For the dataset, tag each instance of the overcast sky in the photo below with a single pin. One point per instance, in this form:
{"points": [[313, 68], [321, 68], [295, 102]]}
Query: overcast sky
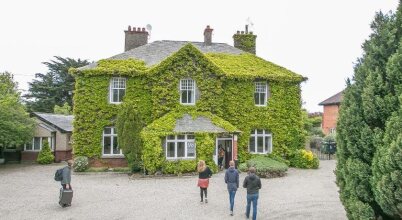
{"points": [[319, 39]]}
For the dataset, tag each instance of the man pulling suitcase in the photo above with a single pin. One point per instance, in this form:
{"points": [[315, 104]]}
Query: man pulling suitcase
{"points": [[66, 192]]}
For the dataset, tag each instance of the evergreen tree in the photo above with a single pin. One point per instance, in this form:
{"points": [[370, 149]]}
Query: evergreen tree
{"points": [[368, 103], [45, 156], [64, 110], [129, 125], [55, 87]]}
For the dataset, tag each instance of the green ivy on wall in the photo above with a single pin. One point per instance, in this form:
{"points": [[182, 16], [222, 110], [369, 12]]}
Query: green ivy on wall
{"points": [[225, 87]]}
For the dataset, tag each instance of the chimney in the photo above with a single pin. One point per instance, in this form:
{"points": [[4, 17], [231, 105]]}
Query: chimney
{"points": [[208, 36], [135, 37], [245, 40]]}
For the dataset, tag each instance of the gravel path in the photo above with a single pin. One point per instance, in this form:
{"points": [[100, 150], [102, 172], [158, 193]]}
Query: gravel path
{"points": [[29, 192]]}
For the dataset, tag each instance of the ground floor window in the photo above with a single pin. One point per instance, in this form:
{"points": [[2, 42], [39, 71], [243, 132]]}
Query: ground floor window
{"points": [[260, 142], [180, 146], [38, 142], [109, 143]]}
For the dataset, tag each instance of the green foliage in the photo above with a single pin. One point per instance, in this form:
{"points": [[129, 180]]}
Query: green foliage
{"points": [[265, 167], [45, 156], [367, 135], [225, 96], [129, 125], [179, 166], [64, 110], [245, 42], [81, 164], [55, 87], [304, 159], [16, 128]]}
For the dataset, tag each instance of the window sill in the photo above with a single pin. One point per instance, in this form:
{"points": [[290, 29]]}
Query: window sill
{"points": [[260, 105], [181, 158], [112, 156], [258, 153], [115, 103]]}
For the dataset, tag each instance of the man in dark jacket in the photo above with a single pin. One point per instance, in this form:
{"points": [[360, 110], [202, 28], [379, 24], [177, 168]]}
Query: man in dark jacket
{"points": [[232, 181], [253, 184]]}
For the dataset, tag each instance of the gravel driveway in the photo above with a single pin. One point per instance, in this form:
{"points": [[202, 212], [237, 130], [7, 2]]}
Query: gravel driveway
{"points": [[29, 192]]}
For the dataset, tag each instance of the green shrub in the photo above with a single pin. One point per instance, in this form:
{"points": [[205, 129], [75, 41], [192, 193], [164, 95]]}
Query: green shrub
{"points": [[304, 159], [316, 142], [179, 166], [45, 156], [265, 167], [80, 164]]}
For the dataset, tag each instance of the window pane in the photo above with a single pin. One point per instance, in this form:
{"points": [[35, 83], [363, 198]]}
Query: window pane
{"points": [[260, 144], [190, 136], [190, 149], [170, 149], [180, 149], [256, 98], [115, 97], [180, 137], [262, 99], [37, 143], [28, 146], [107, 131], [116, 149], [170, 137], [190, 97], [267, 144], [260, 131], [184, 98], [122, 92], [107, 142], [252, 144]]}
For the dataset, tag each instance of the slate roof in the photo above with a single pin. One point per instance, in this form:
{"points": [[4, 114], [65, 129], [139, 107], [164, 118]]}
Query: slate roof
{"points": [[199, 124], [153, 53], [333, 100], [62, 122]]}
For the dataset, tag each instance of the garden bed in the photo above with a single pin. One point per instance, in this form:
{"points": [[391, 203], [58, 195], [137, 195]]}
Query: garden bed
{"points": [[265, 167]]}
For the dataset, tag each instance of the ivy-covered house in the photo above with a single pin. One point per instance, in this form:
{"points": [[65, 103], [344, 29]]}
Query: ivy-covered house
{"points": [[188, 99]]}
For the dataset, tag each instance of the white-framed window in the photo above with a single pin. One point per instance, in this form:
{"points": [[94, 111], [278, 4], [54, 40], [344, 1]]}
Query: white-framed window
{"points": [[180, 146], [37, 143], [187, 92], [117, 90], [260, 142], [109, 142], [261, 93], [332, 130]]}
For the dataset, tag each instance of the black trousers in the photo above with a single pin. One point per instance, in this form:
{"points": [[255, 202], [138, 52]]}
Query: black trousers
{"points": [[202, 192]]}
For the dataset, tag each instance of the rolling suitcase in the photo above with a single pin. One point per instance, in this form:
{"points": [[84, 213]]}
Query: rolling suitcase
{"points": [[66, 196]]}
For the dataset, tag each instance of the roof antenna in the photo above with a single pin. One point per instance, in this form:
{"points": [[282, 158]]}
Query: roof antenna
{"points": [[149, 29], [249, 25]]}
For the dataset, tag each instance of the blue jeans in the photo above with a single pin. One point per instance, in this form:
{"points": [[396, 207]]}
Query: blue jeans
{"points": [[232, 195], [252, 198]]}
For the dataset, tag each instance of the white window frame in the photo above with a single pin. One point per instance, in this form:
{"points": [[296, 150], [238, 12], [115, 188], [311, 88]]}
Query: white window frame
{"points": [[49, 139], [113, 138], [112, 88], [332, 130], [185, 87], [261, 88], [186, 140], [263, 135]]}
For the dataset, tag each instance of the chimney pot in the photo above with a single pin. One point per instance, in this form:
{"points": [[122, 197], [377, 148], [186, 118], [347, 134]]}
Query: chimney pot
{"points": [[238, 32], [242, 32], [135, 37], [208, 36], [246, 28]]}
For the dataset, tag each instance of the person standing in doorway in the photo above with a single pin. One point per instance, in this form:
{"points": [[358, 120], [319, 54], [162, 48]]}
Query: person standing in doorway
{"points": [[221, 155], [204, 173], [232, 182], [253, 184]]}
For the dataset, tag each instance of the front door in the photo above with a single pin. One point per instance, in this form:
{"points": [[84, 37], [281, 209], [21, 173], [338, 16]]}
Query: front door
{"points": [[227, 145]]}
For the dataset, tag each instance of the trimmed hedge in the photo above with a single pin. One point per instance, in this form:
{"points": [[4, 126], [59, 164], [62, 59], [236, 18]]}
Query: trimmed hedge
{"points": [[265, 167]]}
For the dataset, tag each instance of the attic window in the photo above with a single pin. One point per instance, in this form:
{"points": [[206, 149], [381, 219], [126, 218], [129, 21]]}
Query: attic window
{"points": [[117, 90], [187, 92], [260, 93]]}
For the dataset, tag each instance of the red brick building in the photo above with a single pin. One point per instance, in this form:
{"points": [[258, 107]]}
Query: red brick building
{"points": [[331, 111]]}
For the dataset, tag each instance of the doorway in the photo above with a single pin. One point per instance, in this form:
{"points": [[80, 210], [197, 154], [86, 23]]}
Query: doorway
{"points": [[227, 145]]}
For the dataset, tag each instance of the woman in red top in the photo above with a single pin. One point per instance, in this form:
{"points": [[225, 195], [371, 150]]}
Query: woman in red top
{"points": [[204, 173]]}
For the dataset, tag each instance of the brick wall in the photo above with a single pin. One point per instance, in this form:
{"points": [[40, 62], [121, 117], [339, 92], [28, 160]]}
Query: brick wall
{"points": [[329, 118], [108, 162]]}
